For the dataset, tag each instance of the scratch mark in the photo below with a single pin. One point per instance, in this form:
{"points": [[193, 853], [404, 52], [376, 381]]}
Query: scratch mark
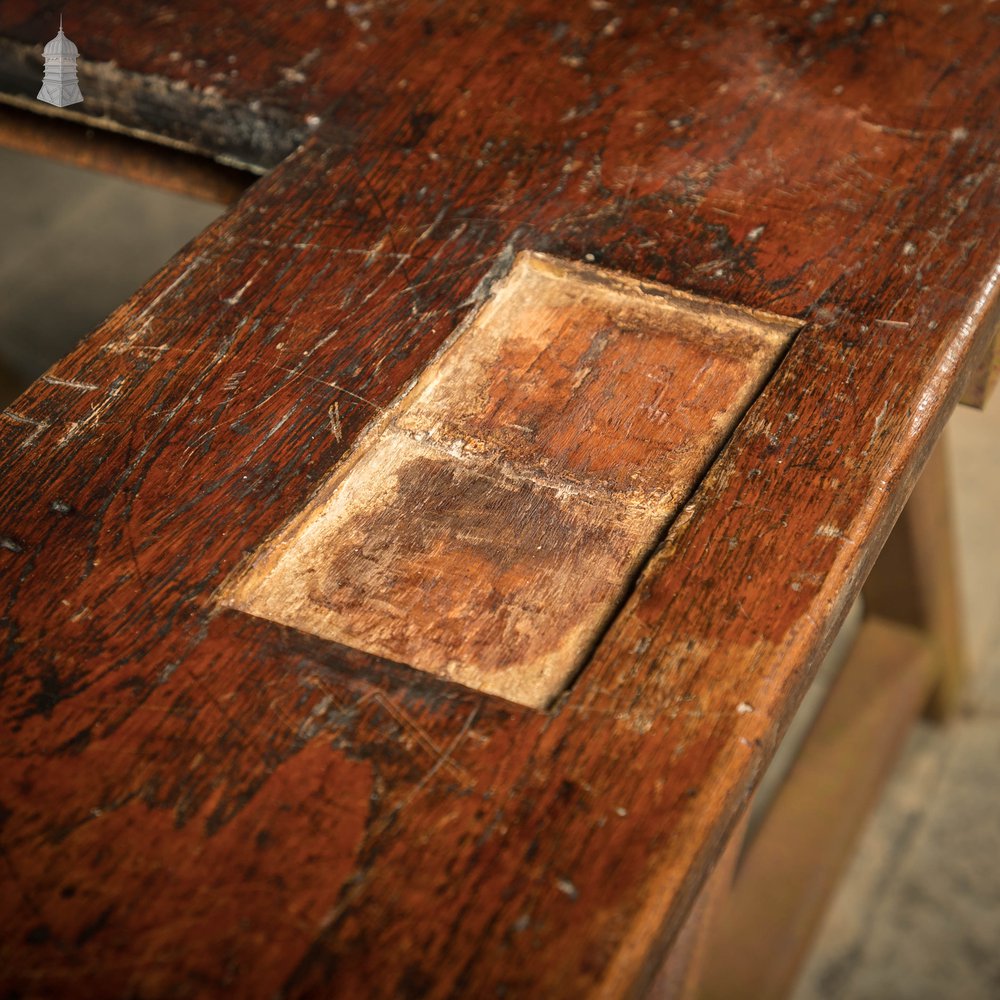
{"points": [[281, 421], [892, 322], [906, 133], [76, 427], [880, 417], [437, 219], [441, 757], [384, 216], [82, 386], [376, 830], [331, 385], [233, 299], [335, 427], [332, 248], [832, 531], [173, 284], [129, 342], [322, 342], [39, 425]]}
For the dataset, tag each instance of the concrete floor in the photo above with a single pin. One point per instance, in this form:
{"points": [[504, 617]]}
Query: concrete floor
{"points": [[919, 913]]}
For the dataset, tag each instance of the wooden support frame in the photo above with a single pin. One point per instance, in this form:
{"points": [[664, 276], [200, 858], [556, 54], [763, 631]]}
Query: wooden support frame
{"points": [[132, 159], [983, 377], [791, 868], [915, 579], [907, 658]]}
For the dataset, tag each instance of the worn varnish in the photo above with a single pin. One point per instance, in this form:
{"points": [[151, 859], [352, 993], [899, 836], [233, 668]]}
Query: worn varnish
{"points": [[196, 801], [490, 523]]}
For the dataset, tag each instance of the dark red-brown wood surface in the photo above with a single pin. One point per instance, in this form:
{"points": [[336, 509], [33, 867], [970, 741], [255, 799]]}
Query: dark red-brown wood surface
{"points": [[195, 802]]}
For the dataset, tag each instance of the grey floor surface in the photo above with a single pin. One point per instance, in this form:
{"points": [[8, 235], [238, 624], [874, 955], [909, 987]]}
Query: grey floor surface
{"points": [[919, 913]]}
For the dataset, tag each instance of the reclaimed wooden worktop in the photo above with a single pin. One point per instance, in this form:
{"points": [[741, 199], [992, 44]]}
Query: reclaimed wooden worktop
{"points": [[197, 802]]}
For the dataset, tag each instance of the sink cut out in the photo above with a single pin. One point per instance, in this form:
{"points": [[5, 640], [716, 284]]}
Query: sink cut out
{"points": [[487, 526]]}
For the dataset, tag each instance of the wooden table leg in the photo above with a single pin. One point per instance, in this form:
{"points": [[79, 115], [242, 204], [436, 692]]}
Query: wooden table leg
{"points": [[792, 866], [914, 580]]}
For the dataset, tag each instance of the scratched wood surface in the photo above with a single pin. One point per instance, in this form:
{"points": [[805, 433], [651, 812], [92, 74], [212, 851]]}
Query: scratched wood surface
{"points": [[489, 524], [195, 801]]}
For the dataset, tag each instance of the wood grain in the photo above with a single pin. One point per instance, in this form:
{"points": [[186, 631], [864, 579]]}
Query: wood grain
{"points": [[983, 377], [487, 526], [200, 802]]}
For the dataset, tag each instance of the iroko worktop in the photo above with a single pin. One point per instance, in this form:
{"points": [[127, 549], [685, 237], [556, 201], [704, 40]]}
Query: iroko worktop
{"points": [[197, 801]]}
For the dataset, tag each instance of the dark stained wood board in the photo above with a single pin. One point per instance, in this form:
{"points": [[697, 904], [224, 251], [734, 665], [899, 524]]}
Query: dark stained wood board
{"points": [[195, 800], [109, 152], [491, 520]]}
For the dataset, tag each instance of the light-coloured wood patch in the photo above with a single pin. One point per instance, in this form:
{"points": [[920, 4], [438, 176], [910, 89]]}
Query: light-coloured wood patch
{"points": [[487, 526]]}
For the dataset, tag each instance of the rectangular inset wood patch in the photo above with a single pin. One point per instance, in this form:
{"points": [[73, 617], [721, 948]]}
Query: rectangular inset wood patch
{"points": [[486, 527]]}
